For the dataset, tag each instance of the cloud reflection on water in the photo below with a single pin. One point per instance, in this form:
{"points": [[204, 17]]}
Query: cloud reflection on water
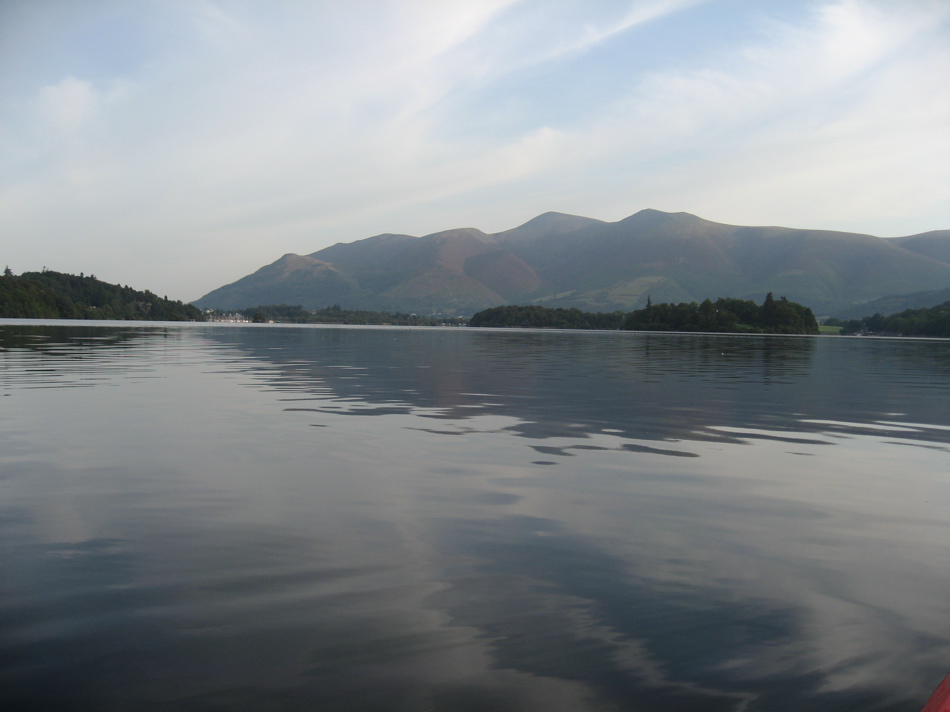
{"points": [[729, 523], [759, 512]]}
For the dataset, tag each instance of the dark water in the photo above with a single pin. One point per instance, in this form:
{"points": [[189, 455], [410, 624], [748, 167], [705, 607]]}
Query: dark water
{"points": [[275, 518]]}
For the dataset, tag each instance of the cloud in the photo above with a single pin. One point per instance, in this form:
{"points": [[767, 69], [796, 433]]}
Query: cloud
{"points": [[283, 128], [68, 105], [587, 35], [830, 114]]}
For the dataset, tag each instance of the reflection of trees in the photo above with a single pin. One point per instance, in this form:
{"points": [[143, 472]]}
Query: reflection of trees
{"points": [[60, 354], [652, 386], [45, 337], [556, 383]]}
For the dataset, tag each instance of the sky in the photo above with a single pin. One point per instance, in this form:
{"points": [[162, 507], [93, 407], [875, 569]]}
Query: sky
{"points": [[179, 145]]}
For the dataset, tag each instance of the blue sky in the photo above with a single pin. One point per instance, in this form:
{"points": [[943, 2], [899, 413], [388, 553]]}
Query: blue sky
{"points": [[178, 145]]}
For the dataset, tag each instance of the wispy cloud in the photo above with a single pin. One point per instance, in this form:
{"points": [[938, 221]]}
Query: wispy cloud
{"points": [[789, 126], [533, 33]]}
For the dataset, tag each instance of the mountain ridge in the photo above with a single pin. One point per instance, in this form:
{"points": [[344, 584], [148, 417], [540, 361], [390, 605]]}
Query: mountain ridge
{"points": [[562, 260]]}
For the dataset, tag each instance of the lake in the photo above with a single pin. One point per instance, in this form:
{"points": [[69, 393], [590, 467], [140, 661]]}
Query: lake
{"points": [[273, 517]]}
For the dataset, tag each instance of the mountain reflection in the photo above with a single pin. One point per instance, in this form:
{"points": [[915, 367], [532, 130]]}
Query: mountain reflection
{"points": [[665, 387], [393, 519]]}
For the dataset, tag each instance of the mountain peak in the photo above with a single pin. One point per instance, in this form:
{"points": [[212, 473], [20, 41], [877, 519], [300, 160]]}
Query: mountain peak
{"points": [[552, 219], [562, 260], [459, 233], [650, 214], [546, 224]]}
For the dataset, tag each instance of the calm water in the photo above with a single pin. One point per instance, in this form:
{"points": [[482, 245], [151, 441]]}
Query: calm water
{"points": [[204, 517]]}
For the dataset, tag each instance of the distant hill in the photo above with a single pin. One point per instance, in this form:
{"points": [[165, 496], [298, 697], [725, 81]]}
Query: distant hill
{"points": [[558, 260], [55, 295], [935, 244]]}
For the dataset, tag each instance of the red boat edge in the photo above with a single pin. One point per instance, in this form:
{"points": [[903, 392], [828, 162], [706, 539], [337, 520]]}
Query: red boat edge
{"points": [[940, 700]]}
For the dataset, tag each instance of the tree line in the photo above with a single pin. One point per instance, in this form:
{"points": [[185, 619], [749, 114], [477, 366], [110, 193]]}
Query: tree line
{"points": [[773, 316], [546, 318], [56, 295], [296, 314], [928, 321]]}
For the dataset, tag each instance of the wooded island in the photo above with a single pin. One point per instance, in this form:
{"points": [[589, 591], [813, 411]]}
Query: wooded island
{"points": [[773, 316]]}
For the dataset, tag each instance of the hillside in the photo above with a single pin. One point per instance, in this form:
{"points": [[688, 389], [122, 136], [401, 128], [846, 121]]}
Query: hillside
{"points": [[558, 260], [55, 295]]}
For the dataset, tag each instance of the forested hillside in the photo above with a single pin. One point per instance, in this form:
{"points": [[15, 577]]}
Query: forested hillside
{"points": [[55, 295]]}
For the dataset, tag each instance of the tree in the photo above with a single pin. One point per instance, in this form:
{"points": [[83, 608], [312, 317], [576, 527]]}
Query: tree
{"points": [[769, 312], [707, 316]]}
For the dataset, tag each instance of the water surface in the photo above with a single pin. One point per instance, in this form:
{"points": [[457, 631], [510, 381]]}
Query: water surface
{"points": [[204, 517]]}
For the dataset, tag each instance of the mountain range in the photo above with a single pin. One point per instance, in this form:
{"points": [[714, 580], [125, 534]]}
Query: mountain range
{"points": [[560, 260]]}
